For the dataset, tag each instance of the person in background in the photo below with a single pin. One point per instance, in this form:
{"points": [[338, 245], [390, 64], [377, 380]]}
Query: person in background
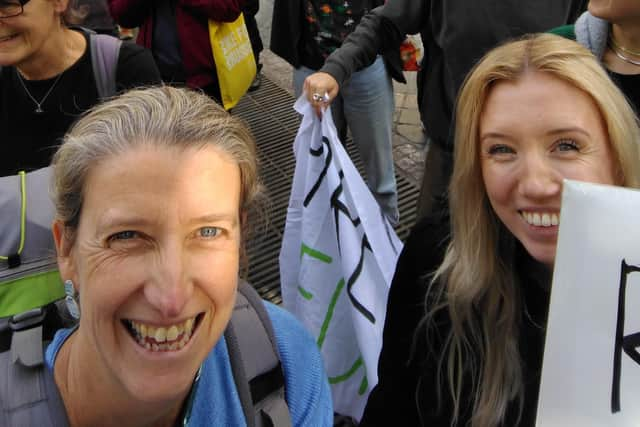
{"points": [[177, 33], [250, 10], [96, 16], [305, 33], [455, 34], [611, 30], [465, 326], [47, 79], [155, 191]]}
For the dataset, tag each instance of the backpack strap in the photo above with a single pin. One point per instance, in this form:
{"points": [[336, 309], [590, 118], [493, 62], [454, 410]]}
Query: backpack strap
{"points": [[255, 361], [105, 50]]}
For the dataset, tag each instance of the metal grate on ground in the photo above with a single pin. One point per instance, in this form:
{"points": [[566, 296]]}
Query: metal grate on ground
{"points": [[269, 113]]}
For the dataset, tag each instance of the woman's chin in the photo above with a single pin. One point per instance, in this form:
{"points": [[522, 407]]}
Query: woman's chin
{"points": [[544, 255]]}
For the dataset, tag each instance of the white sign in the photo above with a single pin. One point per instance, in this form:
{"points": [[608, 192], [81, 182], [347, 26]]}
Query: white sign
{"points": [[591, 370], [337, 260]]}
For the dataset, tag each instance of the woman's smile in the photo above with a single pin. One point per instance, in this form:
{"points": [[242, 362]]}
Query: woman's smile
{"points": [[541, 219], [155, 338]]}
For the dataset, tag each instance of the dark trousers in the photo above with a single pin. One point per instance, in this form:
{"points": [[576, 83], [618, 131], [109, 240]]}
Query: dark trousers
{"points": [[252, 30], [438, 167]]}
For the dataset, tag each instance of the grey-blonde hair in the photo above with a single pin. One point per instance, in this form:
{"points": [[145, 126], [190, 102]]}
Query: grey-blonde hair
{"points": [[476, 281], [162, 117]]}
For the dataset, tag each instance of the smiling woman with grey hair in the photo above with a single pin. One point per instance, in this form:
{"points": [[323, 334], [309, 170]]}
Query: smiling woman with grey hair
{"points": [[154, 191]]}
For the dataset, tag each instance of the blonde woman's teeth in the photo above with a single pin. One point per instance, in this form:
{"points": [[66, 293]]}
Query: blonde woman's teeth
{"points": [[540, 219], [166, 338]]}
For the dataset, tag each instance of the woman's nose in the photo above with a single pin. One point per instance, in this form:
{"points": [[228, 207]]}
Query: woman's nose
{"points": [[171, 287], [538, 178]]}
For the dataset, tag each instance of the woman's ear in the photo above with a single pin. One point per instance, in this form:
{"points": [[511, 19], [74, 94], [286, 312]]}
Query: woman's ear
{"points": [[63, 244]]}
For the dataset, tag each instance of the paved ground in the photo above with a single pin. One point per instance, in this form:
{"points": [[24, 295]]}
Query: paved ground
{"points": [[409, 147]]}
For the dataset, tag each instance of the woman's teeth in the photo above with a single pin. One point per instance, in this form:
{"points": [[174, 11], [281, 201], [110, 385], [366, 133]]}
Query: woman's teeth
{"points": [[540, 219], [169, 338]]}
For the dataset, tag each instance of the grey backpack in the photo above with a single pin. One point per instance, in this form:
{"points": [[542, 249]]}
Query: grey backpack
{"points": [[29, 395]]}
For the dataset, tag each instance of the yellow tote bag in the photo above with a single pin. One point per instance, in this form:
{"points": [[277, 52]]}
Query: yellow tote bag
{"points": [[235, 64]]}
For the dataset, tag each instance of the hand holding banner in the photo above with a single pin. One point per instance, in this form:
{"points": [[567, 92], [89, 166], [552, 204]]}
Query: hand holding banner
{"points": [[337, 260]]}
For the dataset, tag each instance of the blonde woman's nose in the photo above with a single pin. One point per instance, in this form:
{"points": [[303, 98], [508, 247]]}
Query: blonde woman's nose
{"points": [[538, 178]]}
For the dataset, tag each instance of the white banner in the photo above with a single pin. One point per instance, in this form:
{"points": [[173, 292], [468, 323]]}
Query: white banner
{"points": [[337, 260], [591, 370]]}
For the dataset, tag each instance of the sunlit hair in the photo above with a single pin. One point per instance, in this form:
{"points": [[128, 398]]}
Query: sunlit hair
{"points": [[476, 282], [153, 117]]}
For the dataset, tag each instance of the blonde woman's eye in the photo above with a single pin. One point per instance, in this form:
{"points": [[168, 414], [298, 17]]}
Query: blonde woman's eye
{"points": [[209, 232], [498, 149], [567, 145]]}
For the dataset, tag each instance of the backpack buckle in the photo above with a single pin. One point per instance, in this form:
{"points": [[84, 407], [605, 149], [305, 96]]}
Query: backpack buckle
{"points": [[14, 261], [26, 341], [27, 319]]}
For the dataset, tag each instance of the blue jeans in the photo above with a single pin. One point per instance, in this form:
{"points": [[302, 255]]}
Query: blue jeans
{"points": [[365, 104]]}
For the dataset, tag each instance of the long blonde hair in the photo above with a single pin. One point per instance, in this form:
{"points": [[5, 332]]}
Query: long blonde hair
{"points": [[476, 283]]}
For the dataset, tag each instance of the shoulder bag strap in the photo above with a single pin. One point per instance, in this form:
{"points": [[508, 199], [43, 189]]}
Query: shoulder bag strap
{"points": [[105, 51], [255, 361]]}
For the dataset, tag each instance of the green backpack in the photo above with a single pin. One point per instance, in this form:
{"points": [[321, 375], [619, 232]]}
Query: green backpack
{"points": [[28, 270]]}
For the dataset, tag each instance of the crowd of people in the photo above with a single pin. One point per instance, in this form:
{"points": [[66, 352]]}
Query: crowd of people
{"points": [[156, 188]]}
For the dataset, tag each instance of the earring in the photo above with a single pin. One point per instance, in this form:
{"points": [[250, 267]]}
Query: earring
{"points": [[71, 299]]}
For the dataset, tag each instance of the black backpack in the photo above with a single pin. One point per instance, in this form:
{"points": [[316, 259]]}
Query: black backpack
{"points": [[29, 396]]}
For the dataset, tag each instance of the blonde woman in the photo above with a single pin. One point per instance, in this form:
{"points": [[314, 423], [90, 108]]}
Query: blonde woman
{"points": [[464, 333]]}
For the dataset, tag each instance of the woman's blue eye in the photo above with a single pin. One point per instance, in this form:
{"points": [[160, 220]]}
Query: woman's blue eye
{"points": [[209, 231], [500, 149], [124, 235], [567, 145]]}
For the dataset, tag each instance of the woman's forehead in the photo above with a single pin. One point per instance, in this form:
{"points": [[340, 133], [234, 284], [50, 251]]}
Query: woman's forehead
{"points": [[158, 178], [537, 99]]}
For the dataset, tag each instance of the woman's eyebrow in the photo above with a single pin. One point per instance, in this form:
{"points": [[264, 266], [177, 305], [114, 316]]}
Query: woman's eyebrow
{"points": [[495, 135], [231, 217], [113, 220], [569, 129]]}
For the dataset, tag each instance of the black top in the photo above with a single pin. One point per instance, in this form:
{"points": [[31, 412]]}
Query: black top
{"points": [[326, 24], [29, 139], [629, 84], [406, 393]]}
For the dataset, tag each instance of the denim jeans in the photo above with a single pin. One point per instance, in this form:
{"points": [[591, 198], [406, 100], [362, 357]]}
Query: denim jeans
{"points": [[365, 105]]}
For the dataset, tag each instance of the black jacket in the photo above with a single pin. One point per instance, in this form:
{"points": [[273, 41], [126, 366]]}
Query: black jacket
{"points": [[407, 391]]}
